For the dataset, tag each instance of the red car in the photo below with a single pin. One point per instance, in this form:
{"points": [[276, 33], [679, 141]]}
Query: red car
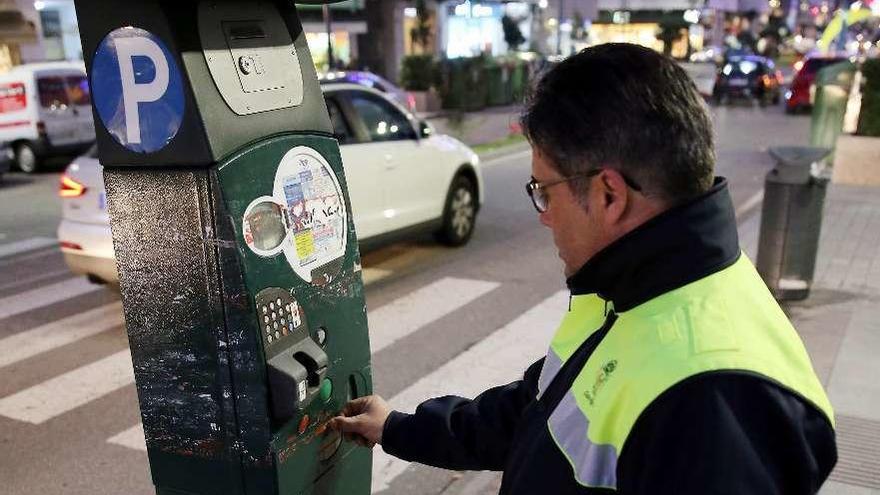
{"points": [[798, 96]]}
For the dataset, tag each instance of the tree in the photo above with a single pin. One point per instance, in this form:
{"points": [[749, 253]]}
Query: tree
{"points": [[512, 34], [670, 29], [422, 34], [376, 46]]}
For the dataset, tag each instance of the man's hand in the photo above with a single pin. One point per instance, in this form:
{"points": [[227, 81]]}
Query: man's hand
{"points": [[362, 420]]}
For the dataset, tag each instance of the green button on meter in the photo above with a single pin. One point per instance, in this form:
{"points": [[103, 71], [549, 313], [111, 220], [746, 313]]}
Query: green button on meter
{"points": [[326, 389]]}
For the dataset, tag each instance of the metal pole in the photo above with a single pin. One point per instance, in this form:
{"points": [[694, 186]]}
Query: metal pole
{"points": [[328, 22], [559, 27]]}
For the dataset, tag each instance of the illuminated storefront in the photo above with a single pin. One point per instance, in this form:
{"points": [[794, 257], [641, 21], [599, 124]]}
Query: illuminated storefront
{"points": [[346, 23], [471, 28], [644, 28]]}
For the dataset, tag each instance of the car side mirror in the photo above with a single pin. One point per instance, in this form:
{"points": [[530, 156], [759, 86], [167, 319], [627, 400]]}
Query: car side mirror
{"points": [[425, 129]]}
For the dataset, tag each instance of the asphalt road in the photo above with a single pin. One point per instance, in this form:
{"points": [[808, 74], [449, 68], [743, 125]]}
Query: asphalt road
{"points": [[464, 319]]}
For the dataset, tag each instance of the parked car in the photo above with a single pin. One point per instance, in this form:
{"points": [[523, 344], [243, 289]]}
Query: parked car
{"points": [[748, 76], [403, 179], [802, 90], [45, 110], [374, 81], [6, 157]]}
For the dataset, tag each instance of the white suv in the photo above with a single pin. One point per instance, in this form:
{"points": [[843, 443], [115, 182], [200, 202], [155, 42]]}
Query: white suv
{"points": [[402, 179]]}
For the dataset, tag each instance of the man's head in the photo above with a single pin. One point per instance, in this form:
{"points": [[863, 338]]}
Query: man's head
{"points": [[628, 126]]}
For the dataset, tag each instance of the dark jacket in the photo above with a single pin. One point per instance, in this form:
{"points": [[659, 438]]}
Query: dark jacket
{"points": [[722, 432]]}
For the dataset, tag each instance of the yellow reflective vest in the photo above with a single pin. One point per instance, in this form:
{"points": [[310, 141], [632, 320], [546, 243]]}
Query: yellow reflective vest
{"points": [[725, 321]]}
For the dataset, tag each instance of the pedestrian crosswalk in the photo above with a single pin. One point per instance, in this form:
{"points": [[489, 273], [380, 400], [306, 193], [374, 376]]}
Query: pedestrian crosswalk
{"points": [[45, 296], [23, 345], [497, 359], [23, 246]]}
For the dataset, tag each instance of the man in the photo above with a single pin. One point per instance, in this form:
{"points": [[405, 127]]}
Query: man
{"points": [[674, 370]]}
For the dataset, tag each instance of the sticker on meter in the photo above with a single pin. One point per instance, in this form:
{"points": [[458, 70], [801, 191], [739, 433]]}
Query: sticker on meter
{"points": [[305, 217]]}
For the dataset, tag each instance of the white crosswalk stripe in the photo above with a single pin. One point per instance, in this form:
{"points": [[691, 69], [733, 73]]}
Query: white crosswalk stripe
{"points": [[132, 438], [45, 296], [23, 246], [500, 358], [44, 338], [396, 320], [73, 389]]}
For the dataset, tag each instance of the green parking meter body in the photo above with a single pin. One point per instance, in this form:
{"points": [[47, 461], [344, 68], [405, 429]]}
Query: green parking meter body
{"points": [[238, 261]]}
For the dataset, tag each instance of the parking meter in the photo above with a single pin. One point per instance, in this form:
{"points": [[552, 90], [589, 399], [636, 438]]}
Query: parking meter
{"points": [[238, 261]]}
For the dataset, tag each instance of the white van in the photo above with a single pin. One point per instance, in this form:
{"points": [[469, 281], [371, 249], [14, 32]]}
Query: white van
{"points": [[45, 110]]}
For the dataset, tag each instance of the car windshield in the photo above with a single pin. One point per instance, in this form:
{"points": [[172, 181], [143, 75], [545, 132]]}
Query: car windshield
{"points": [[78, 90], [56, 91], [52, 92]]}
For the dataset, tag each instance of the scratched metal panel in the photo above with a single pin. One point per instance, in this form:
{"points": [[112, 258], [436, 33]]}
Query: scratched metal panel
{"points": [[165, 247]]}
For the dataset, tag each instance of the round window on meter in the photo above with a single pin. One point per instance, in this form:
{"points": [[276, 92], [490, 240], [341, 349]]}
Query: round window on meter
{"points": [[264, 227], [305, 217]]}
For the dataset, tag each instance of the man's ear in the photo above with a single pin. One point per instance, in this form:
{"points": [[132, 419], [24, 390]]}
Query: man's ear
{"points": [[615, 195]]}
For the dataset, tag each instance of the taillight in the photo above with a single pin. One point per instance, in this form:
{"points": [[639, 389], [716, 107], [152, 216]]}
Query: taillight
{"points": [[766, 80], [70, 245], [411, 101], [779, 79], [70, 188], [41, 127]]}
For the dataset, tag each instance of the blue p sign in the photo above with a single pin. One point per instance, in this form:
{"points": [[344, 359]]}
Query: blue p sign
{"points": [[137, 89]]}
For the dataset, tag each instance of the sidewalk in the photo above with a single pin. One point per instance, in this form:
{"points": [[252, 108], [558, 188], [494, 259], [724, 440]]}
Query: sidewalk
{"points": [[475, 128], [840, 326]]}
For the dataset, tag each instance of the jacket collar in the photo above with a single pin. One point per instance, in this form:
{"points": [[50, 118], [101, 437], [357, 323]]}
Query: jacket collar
{"points": [[673, 249]]}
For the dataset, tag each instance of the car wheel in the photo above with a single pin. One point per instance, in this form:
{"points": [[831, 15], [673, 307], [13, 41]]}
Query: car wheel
{"points": [[459, 213], [25, 158]]}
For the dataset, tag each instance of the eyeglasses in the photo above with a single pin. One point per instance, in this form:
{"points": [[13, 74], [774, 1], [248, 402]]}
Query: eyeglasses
{"points": [[537, 191]]}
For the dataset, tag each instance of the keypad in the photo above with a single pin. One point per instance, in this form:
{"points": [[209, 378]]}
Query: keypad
{"points": [[279, 315]]}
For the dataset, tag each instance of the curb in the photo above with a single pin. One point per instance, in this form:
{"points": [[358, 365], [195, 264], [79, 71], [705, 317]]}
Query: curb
{"points": [[504, 151]]}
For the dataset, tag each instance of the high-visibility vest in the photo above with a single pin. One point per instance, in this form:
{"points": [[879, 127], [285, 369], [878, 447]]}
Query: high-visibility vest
{"points": [[725, 321]]}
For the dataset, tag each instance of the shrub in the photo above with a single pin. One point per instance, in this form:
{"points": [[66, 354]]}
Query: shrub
{"points": [[418, 72], [869, 117]]}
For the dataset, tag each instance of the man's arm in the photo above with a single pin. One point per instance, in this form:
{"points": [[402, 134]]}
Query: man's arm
{"points": [[727, 433], [451, 432]]}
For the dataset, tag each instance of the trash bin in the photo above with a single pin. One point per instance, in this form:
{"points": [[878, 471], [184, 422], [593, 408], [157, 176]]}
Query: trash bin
{"points": [[791, 220]]}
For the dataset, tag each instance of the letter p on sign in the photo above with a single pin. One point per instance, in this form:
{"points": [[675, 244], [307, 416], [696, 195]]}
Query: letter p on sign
{"points": [[137, 89], [134, 92]]}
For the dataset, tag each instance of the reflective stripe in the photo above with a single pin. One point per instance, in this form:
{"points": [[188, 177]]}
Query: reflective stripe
{"points": [[552, 365], [594, 465]]}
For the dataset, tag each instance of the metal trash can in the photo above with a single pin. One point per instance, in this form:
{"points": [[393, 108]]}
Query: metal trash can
{"points": [[791, 220]]}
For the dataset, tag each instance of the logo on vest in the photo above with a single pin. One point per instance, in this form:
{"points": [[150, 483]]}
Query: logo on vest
{"points": [[601, 377]]}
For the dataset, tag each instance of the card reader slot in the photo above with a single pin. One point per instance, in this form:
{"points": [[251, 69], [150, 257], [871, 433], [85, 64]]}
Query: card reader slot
{"points": [[244, 30]]}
